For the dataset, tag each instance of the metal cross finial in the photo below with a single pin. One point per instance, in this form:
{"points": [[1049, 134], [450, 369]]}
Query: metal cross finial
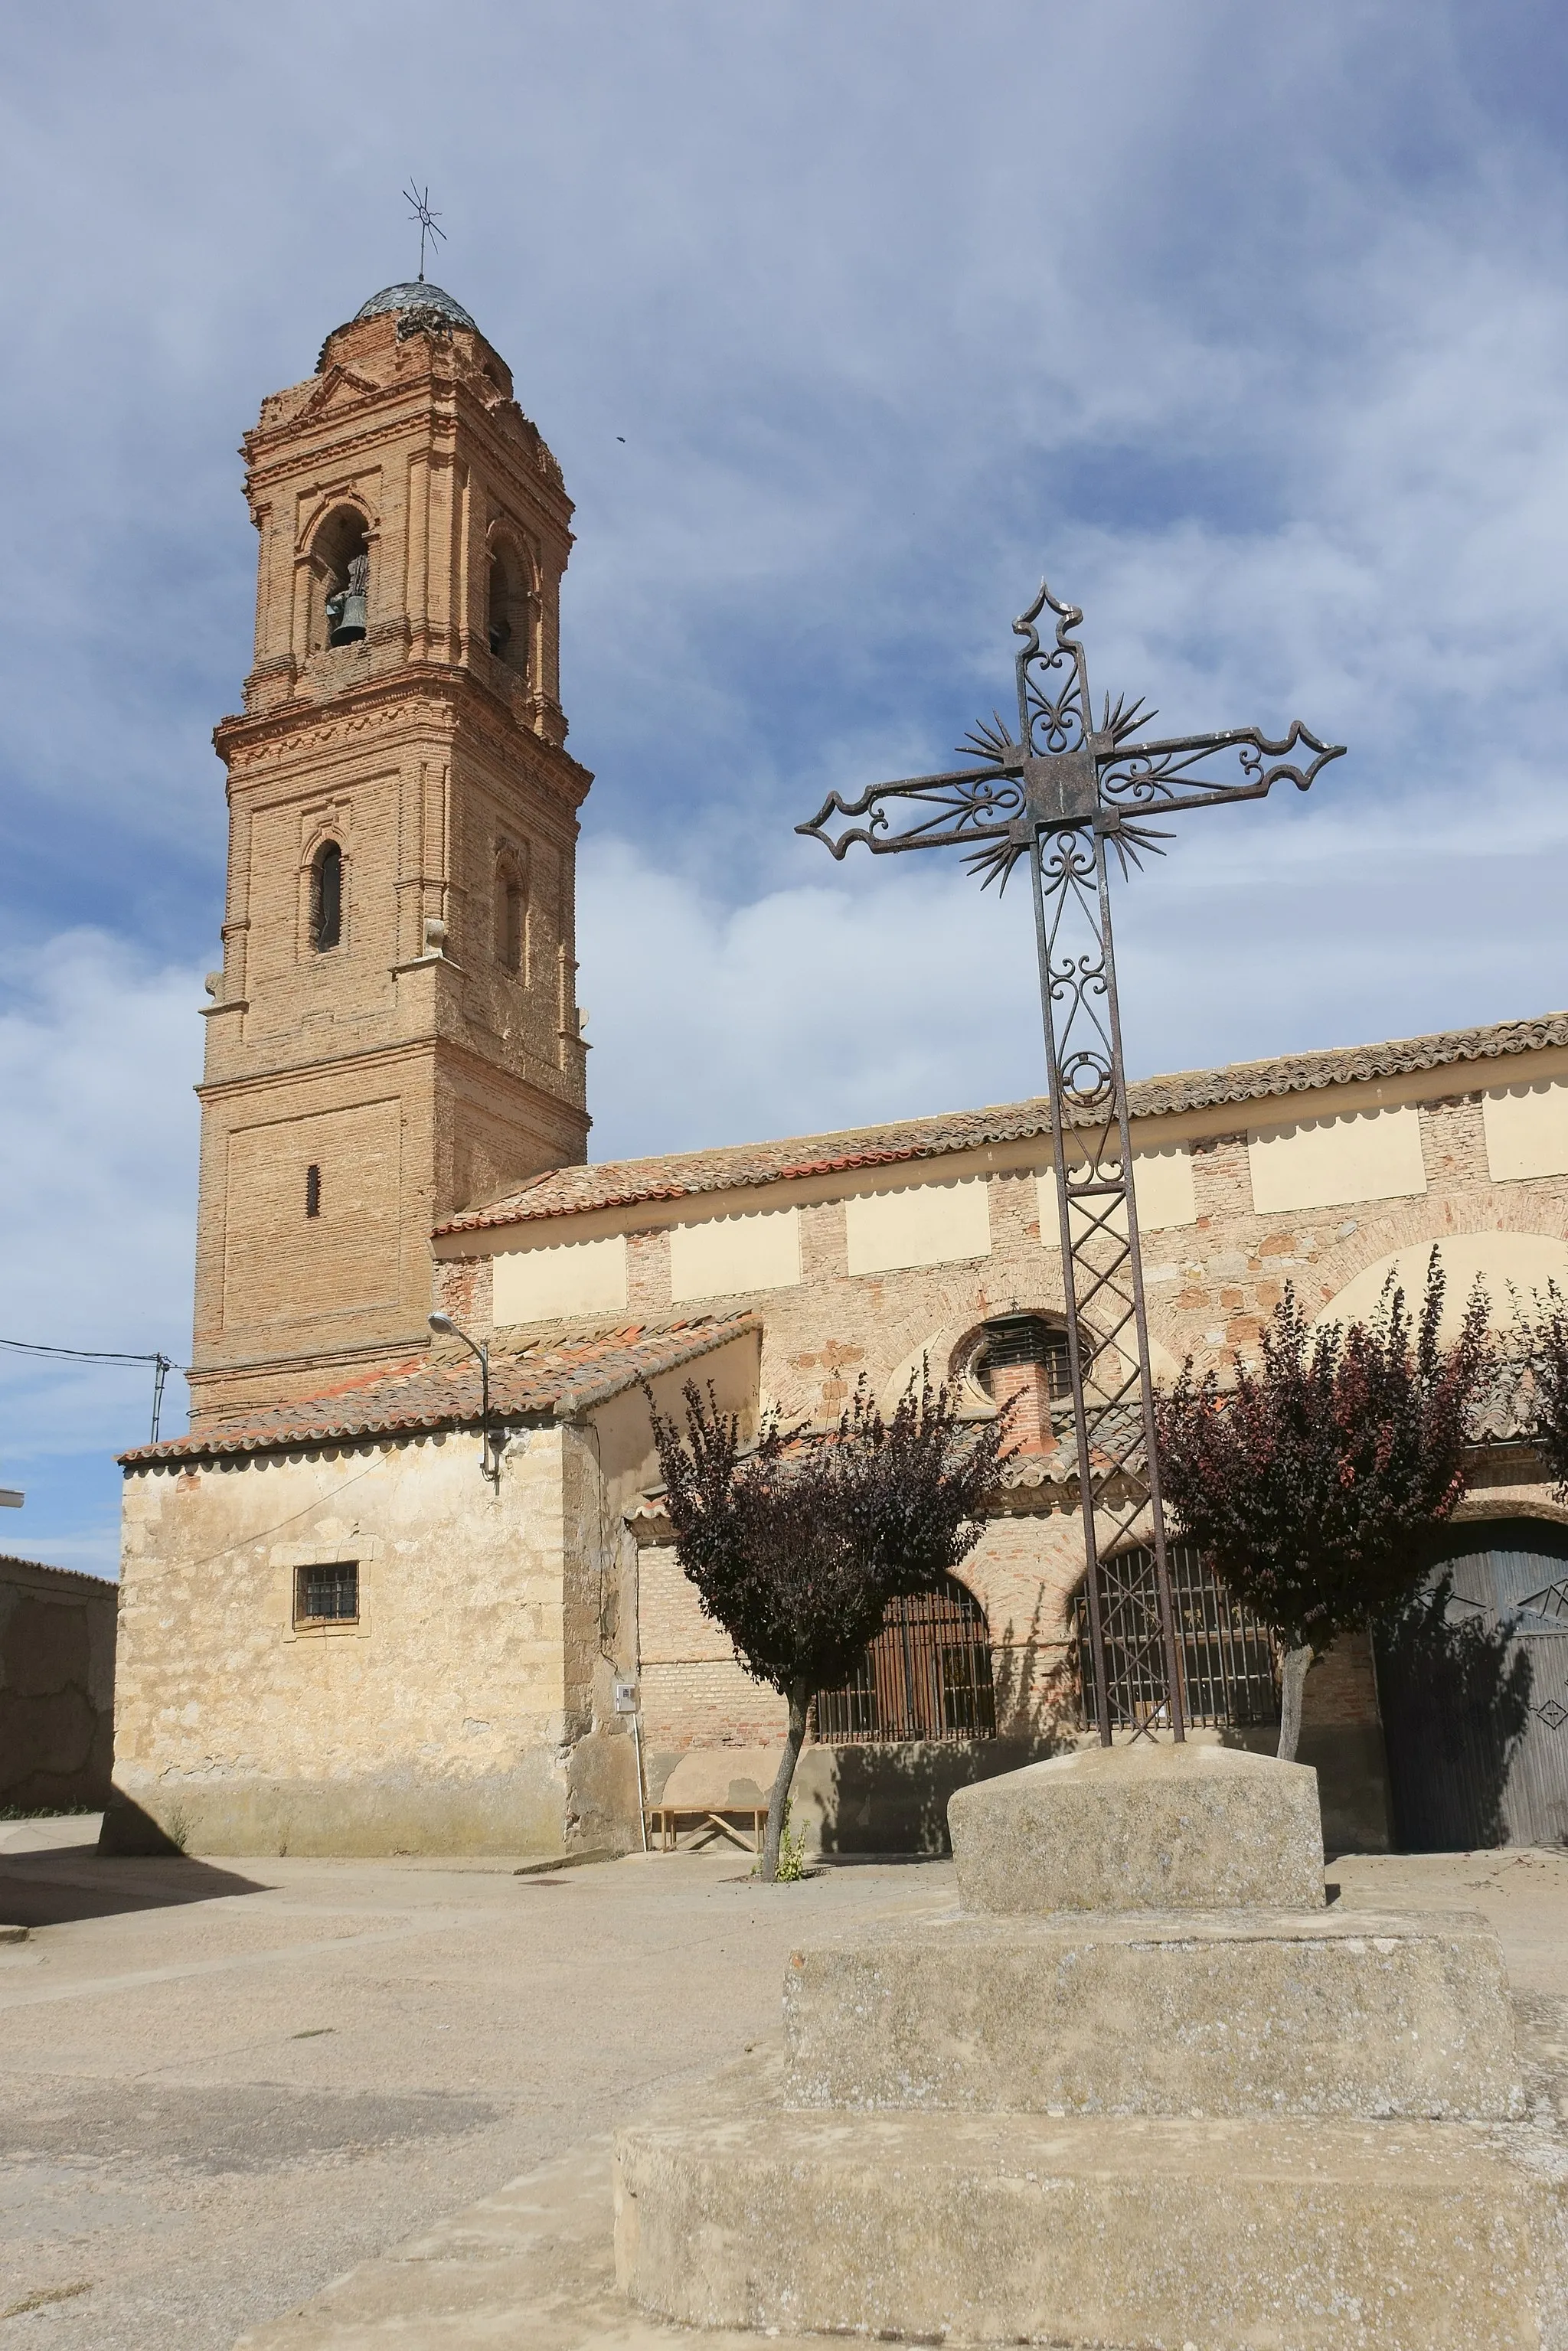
{"points": [[1059, 793], [427, 219]]}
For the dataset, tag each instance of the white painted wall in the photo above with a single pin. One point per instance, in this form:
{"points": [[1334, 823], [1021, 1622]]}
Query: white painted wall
{"points": [[928, 1224], [1527, 1130], [727, 1254], [1324, 1163], [540, 1285], [1162, 1184]]}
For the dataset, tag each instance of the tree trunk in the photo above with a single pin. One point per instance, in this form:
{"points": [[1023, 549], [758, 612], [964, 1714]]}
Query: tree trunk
{"points": [[800, 1699], [1293, 1675]]}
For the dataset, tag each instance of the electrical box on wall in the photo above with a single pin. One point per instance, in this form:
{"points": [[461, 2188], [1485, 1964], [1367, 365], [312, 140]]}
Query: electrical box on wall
{"points": [[625, 1697]]}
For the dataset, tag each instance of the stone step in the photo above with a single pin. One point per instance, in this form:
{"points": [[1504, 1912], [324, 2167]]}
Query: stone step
{"points": [[1218, 2235], [1286, 2013]]}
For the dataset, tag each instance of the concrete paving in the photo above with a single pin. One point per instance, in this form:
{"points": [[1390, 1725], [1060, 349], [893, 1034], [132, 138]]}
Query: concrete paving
{"points": [[228, 2085]]}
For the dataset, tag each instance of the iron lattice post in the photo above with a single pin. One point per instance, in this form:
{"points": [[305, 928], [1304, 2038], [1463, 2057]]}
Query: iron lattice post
{"points": [[1102, 1269], [1061, 794]]}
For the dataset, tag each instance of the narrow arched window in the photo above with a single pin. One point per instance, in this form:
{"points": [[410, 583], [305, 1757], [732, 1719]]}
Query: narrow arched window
{"points": [[500, 615], [327, 897], [506, 618], [511, 917]]}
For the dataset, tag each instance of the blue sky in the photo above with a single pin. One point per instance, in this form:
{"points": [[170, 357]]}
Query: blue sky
{"points": [[1249, 326]]}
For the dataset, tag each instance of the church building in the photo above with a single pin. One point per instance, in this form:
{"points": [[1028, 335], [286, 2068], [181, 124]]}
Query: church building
{"points": [[380, 1601]]}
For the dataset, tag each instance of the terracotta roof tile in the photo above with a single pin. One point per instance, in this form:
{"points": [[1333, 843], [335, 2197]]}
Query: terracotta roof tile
{"points": [[680, 1175], [558, 1375]]}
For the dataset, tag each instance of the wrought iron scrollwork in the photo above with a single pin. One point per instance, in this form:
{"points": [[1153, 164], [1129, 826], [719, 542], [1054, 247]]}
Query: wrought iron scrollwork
{"points": [[1063, 792], [1160, 776], [966, 805]]}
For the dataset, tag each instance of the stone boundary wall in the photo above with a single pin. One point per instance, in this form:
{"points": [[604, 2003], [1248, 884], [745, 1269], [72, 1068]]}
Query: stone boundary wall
{"points": [[56, 1685]]}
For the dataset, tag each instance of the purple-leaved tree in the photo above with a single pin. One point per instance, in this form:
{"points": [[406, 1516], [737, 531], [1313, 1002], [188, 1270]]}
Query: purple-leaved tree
{"points": [[1541, 1350], [798, 1546], [1314, 1484]]}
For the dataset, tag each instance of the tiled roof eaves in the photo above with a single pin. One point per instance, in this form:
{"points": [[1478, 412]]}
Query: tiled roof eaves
{"points": [[68, 1574], [528, 1388], [574, 1191], [582, 1390]]}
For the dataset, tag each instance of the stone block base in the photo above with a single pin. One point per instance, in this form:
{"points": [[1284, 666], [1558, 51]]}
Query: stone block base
{"points": [[1141, 1828], [1221, 2235], [1251, 2012]]}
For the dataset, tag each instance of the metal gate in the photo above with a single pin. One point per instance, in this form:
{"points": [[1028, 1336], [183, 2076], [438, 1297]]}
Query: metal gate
{"points": [[1473, 1685], [1227, 1653], [927, 1675]]}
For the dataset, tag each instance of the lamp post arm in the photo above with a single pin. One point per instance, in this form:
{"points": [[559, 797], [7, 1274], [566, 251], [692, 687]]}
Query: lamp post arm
{"points": [[490, 1458]]}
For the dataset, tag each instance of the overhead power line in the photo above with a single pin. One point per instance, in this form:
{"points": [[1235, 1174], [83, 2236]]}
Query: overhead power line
{"points": [[163, 1364]]}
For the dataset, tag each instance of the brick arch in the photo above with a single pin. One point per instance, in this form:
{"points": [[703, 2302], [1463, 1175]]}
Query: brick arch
{"points": [[1389, 1227], [1509, 1502], [512, 567], [1501, 1257], [335, 501]]}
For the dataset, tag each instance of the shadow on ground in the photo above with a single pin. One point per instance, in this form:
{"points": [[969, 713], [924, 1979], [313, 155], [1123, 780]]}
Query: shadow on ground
{"points": [[47, 1890]]}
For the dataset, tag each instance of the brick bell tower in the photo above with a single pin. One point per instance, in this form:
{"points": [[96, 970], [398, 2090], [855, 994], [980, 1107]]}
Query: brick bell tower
{"points": [[394, 1033]]}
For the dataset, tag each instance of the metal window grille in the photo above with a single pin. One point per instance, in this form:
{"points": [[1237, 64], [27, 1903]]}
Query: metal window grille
{"points": [[1227, 1652], [327, 1595], [1024, 1339], [312, 1191], [927, 1675]]}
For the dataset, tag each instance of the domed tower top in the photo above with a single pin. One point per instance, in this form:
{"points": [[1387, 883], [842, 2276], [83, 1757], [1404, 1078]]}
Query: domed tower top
{"points": [[416, 296], [409, 511]]}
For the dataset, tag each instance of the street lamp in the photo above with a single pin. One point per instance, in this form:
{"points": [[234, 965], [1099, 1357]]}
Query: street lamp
{"points": [[489, 1457]]}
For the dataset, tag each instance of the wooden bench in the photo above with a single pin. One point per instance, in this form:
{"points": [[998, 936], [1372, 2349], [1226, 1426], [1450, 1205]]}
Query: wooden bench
{"points": [[712, 1792], [668, 1820]]}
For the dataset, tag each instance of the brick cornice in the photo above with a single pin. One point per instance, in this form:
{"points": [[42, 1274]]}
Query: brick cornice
{"points": [[417, 696], [417, 1049]]}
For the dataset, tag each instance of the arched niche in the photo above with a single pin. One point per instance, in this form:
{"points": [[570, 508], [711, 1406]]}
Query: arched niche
{"points": [[509, 603], [1513, 1267], [511, 911], [340, 568]]}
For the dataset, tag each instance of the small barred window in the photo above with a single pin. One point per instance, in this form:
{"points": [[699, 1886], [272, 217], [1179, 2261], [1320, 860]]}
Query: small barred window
{"points": [[327, 1595], [312, 1191]]}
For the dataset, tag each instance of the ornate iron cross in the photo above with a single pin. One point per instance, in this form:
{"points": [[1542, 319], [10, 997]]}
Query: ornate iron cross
{"points": [[1062, 793]]}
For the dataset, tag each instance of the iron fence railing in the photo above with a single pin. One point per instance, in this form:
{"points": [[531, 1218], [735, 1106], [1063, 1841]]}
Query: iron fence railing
{"points": [[927, 1675], [1227, 1653]]}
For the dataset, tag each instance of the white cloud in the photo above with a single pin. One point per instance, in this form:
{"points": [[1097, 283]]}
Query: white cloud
{"points": [[1250, 326], [98, 1052]]}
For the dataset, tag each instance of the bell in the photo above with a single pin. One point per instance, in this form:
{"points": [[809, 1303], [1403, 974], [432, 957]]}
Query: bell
{"points": [[345, 605]]}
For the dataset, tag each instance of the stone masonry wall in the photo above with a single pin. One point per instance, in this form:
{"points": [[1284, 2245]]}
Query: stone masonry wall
{"points": [[438, 1721], [56, 1685]]}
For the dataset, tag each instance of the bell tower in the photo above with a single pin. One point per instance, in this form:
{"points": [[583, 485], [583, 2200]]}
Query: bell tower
{"points": [[395, 1033]]}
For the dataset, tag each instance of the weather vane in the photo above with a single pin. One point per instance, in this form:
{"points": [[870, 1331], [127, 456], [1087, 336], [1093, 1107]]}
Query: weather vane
{"points": [[1064, 792], [427, 219]]}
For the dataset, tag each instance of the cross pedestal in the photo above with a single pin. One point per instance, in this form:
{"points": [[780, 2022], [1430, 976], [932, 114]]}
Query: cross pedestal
{"points": [[1226, 2119]]}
